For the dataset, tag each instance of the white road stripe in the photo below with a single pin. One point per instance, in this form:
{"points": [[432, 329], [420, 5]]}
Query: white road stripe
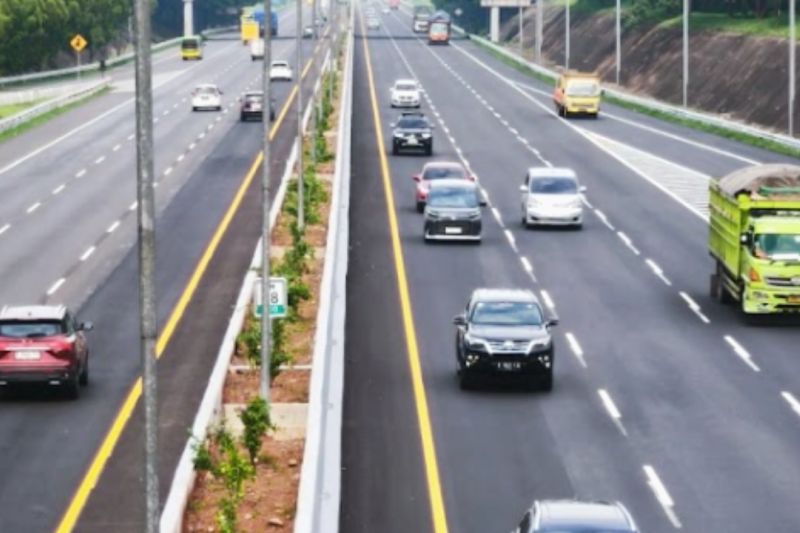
{"points": [[604, 219], [55, 286], [191, 146], [133, 206], [627, 240], [81, 173], [526, 265], [792, 401], [658, 271], [608, 403], [586, 202], [33, 208], [5, 228], [117, 147], [131, 136], [497, 216], [202, 134], [168, 171], [548, 301], [662, 495], [89, 251], [99, 160], [576, 349], [113, 227], [510, 237], [743, 354], [694, 306], [180, 158], [59, 188]]}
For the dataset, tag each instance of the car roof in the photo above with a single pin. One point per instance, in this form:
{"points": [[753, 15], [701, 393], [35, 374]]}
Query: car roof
{"points": [[453, 183], [442, 164], [209, 85], [572, 514], [504, 295], [574, 74], [405, 80], [280, 62], [33, 312], [554, 172], [254, 93]]}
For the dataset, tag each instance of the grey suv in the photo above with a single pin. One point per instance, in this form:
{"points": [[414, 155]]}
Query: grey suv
{"points": [[504, 332], [571, 516]]}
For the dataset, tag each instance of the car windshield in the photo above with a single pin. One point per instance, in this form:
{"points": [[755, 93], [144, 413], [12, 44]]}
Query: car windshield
{"points": [[280, 64], [777, 246], [443, 172], [452, 197], [585, 529], [583, 88], [405, 87], [17, 329], [439, 27], [189, 44], [254, 98], [412, 123], [507, 314], [554, 186]]}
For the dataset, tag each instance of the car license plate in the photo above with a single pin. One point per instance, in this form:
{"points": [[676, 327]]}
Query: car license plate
{"points": [[509, 366], [412, 141], [255, 107], [451, 230], [27, 355]]}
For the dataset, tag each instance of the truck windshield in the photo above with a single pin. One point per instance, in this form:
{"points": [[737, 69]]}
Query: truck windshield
{"points": [[583, 88], [777, 246], [439, 27]]}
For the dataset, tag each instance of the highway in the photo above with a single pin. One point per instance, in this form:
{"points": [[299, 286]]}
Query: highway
{"points": [[67, 232], [663, 399]]}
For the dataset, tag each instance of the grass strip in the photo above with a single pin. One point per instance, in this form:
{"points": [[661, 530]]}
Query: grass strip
{"points": [[745, 138], [45, 117], [13, 109]]}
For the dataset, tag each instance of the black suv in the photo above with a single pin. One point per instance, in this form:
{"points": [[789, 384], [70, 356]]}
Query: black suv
{"points": [[252, 106], [412, 131], [503, 332], [574, 515]]}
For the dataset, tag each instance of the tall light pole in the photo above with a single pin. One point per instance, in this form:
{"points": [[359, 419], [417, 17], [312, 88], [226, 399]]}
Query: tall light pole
{"points": [[266, 87], [146, 217], [188, 18], [521, 45], [539, 29], [299, 78], [566, 43], [619, 38], [685, 52], [792, 66]]}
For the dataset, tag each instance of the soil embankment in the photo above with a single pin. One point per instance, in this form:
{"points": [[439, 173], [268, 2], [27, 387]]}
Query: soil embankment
{"points": [[744, 77]]}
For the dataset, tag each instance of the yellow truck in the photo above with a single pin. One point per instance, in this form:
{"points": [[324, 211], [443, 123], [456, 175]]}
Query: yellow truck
{"points": [[577, 92], [249, 29], [192, 47], [754, 239]]}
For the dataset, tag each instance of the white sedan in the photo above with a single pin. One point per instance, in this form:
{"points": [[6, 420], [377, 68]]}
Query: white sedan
{"points": [[206, 96], [280, 71], [552, 196], [405, 93]]}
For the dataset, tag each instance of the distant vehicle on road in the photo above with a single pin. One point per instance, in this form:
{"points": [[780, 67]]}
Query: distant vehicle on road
{"points": [[206, 96], [412, 131], [754, 238], [572, 516], [577, 93], [308, 32], [373, 23], [394, 4], [43, 344], [405, 93], [192, 47], [419, 18], [435, 171], [453, 211], [551, 196], [439, 27], [504, 333], [252, 106], [257, 49], [280, 71]]}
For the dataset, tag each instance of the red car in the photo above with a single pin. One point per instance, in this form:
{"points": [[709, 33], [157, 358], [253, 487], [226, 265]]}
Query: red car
{"points": [[438, 170], [43, 344]]}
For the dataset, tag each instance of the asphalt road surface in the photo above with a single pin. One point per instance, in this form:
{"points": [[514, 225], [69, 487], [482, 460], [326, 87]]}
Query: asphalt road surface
{"points": [[67, 230], [663, 399]]}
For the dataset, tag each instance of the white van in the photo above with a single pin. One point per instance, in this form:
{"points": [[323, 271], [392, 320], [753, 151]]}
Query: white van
{"points": [[257, 49]]}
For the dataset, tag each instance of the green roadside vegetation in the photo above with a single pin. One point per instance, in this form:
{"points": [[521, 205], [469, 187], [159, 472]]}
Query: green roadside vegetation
{"points": [[775, 26], [41, 119], [744, 138], [13, 109]]}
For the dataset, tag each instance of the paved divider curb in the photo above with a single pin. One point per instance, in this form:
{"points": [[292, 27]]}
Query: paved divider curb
{"points": [[61, 101], [211, 404]]}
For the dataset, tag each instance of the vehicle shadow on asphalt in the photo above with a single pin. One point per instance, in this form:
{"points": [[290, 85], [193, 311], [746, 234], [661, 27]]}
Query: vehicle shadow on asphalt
{"points": [[31, 393]]}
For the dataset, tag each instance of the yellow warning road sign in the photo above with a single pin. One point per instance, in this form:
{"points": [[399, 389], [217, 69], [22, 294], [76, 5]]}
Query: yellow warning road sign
{"points": [[78, 43]]}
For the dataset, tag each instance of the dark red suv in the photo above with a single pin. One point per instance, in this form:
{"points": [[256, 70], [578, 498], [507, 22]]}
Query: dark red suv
{"points": [[43, 344]]}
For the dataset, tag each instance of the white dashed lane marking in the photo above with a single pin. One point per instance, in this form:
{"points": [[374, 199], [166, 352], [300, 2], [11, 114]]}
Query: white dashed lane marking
{"points": [[113, 227], [5, 228], [576, 349], [60, 188], [662, 495], [33, 207], [87, 253], [99, 160], [81, 173], [792, 401], [743, 354], [55, 286], [658, 271], [694, 307]]}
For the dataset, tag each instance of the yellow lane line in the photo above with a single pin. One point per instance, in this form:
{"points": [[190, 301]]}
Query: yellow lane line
{"points": [[438, 514], [98, 463]]}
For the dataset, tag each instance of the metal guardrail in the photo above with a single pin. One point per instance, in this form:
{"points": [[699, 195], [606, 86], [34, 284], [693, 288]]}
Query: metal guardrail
{"points": [[650, 103], [45, 107], [93, 67]]}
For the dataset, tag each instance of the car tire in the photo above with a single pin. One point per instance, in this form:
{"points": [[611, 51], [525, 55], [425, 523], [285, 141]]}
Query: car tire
{"points": [[272, 115], [465, 381], [546, 384], [395, 149], [420, 207], [429, 149], [578, 226], [242, 118], [194, 108], [72, 388], [84, 377]]}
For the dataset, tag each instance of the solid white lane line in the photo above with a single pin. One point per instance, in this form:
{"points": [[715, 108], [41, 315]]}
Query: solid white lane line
{"points": [[743, 354], [117, 147], [627, 240], [168, 171], [792, 401], [662, 494], [658, 271], [695, 307], [33, 208], [89, 251], [5, 228], [577, 351], [81, 173], [526, 265], [133, 206], [113, 227], [548, 301], [99, 160], [55, 286], [604, 219], [59, 188]]}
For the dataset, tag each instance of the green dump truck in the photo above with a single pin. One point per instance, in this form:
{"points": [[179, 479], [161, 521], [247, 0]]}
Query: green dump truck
{"points": [[754, 239]]}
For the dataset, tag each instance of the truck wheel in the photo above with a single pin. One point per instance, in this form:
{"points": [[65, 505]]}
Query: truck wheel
{"points": [[718, 291]]}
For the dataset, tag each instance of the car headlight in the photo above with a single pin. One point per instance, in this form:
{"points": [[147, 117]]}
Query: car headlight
{"points": [[576, 203], [532, 202], [538, 344], [433, 214], [474, 216], [426, 135], [396, 133], [475, 343]]}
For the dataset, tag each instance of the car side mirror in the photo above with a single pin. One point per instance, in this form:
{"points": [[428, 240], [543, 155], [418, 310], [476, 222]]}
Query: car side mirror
{"points": [[550, 322], [222, 92], [482, 202], [86, 326], [582, 188], [416, 177], [433, 126], [523, 188], [460, 320]]}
